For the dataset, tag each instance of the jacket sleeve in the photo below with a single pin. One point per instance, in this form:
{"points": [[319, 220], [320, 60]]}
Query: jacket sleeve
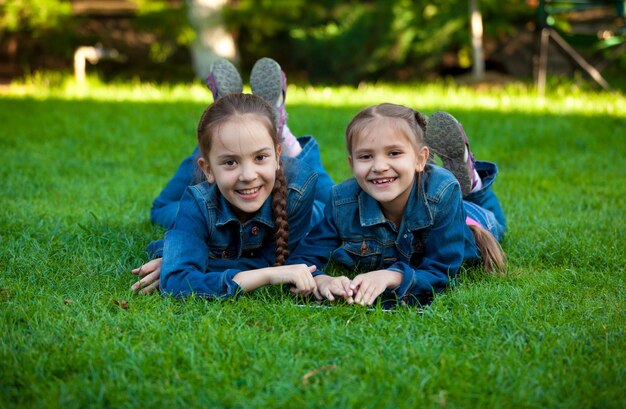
{"points": [[317, 247], [185, 256], [443, 251], [165, 206]]}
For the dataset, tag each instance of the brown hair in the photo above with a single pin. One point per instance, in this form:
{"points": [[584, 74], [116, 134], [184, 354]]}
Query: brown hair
{"points": [[411, 122], [494, 259], [235, 107]]}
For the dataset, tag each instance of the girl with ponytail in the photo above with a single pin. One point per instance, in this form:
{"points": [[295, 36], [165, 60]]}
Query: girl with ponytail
{"points": [[404, 224], [235, 231]]}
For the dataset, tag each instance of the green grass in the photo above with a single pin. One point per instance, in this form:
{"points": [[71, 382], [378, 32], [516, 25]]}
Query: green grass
{"points": [[80, 168]]}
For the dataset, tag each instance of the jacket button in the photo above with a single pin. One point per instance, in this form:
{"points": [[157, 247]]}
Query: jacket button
{"points": [[254, 230]]}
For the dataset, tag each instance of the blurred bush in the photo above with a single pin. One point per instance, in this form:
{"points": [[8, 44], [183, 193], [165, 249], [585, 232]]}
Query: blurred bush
{"points": [[320, 41], [352, 40]]}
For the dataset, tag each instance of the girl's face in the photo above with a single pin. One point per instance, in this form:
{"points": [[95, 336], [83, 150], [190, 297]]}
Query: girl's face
{"points": [[242, 162], [384, 162]]}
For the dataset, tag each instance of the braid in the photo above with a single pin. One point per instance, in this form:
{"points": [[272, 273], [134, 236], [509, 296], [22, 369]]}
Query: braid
{"points": [[279, 209]]}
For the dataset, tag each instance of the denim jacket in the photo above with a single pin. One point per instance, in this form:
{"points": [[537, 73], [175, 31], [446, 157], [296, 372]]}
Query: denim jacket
{"points": [[427, 248], [208, 245]]}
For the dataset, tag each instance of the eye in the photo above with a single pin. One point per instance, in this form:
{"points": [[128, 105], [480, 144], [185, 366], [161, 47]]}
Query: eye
{"points": [[261, 157], [395, 153], [229, 163], [364, 156]]}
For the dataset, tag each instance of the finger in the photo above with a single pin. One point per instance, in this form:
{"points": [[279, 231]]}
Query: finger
{"points": [[312, 284], [136, 270], [345, 283], [370, 295], [361, 293], [317, 294], [373, 295], [354, 285], [151, 288], [148, 280], [300, 284], [329, 295]]}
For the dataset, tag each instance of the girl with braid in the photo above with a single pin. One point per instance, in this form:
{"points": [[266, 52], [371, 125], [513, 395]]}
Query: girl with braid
{"points": [[267, 81], [234, 232]]}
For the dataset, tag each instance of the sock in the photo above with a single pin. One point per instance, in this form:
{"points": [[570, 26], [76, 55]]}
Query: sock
{"points": [[477, 183], [291, 146]]}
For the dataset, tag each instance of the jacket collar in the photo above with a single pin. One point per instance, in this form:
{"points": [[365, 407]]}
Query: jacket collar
{"points": [[417, 214], [225, 215]]}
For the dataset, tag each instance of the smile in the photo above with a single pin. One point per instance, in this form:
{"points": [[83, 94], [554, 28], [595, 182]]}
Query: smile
{"points": [[383, 181], [248, 192]]}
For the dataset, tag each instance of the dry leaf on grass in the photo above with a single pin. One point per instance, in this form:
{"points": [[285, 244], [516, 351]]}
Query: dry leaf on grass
{"points": [[122, 304], [305, 378]]}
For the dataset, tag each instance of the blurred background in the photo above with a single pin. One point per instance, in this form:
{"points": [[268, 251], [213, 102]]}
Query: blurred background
{"points": [[315, 41]]}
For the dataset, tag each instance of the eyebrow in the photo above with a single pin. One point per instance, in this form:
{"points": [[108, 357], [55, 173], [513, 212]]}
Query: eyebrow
{"points": [[388, 147], [229, 156]]}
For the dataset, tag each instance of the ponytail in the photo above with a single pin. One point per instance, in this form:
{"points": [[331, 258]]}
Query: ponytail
{"points": [[279, 210], [494, 259]]}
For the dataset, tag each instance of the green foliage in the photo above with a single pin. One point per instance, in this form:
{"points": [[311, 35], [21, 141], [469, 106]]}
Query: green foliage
{"points": [[80, 167], [33, 15], [350, 41]]}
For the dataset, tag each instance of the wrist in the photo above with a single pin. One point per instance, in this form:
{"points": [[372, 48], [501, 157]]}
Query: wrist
{"points": [[394, 279]]}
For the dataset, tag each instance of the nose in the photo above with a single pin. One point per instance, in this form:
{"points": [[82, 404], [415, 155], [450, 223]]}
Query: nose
{"points": [[380, 164], [247, 172]]}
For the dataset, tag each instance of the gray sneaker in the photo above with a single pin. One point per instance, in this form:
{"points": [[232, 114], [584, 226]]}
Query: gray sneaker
{"points": [[223, 79], [269, 82], [446, 138]]}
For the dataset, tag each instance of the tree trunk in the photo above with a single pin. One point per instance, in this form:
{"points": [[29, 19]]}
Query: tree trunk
{"points": [[476, 24], [212, 40]]}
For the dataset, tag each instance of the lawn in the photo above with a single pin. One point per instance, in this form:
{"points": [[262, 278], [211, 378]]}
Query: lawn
{"points": [[80, 168]]}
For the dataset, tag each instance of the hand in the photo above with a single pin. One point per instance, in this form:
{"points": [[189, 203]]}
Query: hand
{"points": [[329, 287], [370, 285], [299, 275], [150, 274]]}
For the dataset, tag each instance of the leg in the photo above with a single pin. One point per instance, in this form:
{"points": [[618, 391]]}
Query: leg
{"points": [[484, 197], [268, 81], [310, 154]]}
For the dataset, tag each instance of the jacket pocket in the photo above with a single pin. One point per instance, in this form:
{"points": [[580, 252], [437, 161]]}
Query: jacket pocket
{"points": [[219, 253], [364, 255]]}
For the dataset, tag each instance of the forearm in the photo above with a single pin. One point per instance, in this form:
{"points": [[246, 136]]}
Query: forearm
{"points": [[250, 280]]}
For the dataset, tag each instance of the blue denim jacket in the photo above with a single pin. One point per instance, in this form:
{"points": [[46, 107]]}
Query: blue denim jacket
{"points": [[427, 248], [208, 245]]}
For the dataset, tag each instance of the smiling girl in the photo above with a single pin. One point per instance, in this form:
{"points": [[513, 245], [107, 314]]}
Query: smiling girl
{"points": [[402, 222], [234, 231]]}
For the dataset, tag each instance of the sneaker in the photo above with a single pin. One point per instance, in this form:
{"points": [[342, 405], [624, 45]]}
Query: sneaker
{"points": [[223, 79], [268, 81], [446, 138]]}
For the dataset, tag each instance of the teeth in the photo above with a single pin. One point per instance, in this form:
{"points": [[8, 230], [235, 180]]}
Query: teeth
{"points": [[249, 191], [383, 181]]}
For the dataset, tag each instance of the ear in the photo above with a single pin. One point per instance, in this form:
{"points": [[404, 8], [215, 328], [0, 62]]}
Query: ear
{"points": [[206, 169], [422, 158], [279, 150], [350, 160]]}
